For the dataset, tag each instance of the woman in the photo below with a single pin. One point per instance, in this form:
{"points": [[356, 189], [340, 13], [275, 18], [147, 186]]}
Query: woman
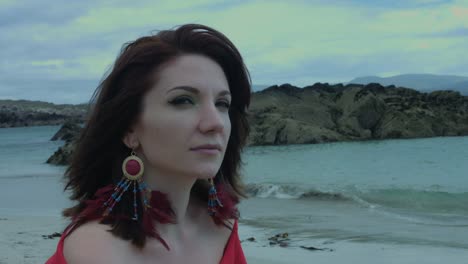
{"points": [[155, 172]]}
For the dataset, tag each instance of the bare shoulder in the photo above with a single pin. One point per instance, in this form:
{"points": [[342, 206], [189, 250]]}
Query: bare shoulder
{"points": [[88, 243]]}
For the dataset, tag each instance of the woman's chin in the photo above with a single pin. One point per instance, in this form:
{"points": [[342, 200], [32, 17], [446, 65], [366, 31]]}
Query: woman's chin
{"points": [[205, 174]]}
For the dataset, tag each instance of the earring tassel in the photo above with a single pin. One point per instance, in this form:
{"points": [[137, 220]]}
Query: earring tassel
{"points": [[228, 209], [121, 188], [213, 202]]}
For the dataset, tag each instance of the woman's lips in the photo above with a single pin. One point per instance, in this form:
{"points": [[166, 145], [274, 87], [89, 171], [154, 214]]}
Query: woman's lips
{"points": [[207, 151]]}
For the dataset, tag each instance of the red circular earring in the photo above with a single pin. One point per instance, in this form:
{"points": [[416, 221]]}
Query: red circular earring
{"points": [[132, 167]]}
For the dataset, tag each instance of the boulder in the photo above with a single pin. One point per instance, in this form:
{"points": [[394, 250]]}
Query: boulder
{"points": [[68, 132], [63, 155]]}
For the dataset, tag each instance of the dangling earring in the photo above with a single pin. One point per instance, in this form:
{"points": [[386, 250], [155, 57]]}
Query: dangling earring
{"points": [[213, 201], [132, 168]]}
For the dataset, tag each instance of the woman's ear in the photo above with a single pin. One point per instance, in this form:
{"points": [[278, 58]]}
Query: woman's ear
{"points": [[130, 139]]}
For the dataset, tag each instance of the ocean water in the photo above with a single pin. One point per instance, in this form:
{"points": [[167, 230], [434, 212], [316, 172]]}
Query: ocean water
{"points": [[412, 192], [24, 150], [29, 186]]}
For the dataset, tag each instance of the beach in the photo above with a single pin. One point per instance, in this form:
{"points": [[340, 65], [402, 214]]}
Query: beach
{"points": [[22, 242]]}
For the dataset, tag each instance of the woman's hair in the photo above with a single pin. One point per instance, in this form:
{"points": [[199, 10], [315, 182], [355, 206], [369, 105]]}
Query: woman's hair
{"points": [[117, 103]]}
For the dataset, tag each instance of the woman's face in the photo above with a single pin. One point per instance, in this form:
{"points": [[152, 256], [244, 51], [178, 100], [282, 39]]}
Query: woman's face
{"points": [[186, 109]]}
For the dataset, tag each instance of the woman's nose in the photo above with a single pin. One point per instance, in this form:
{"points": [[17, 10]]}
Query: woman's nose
{"points": [[211, 119]]}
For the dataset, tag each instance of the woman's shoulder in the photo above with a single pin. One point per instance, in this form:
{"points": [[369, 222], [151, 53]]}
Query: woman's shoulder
{"points": [[89, 243]]}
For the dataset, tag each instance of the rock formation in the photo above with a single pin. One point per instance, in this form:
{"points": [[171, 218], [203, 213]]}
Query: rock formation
{"points": [[68, 132], [15, 113], [63, 155], [324, 113]]}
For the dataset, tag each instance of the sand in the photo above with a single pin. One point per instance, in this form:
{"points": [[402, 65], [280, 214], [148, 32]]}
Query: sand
{"points": [[349, 252], [22, 241], [21, 238]]}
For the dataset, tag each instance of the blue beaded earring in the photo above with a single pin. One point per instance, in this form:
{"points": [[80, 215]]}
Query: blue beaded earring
{"points": [[132, 168], [213, 201]]}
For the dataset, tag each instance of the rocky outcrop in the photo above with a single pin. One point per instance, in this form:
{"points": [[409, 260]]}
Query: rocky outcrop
{"points": [[63, 155], [68, 132], [324, 113], [15, 113]]}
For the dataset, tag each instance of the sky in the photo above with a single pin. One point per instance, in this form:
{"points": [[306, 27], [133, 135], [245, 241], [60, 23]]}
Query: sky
{"points": [[58, 51]]}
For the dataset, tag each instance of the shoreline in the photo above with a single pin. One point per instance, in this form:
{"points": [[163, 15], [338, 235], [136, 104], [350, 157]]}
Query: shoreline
{"points": [[354, 252]]}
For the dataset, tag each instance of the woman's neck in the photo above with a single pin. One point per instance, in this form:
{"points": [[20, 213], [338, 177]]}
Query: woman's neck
{"points": [[178, 189]]}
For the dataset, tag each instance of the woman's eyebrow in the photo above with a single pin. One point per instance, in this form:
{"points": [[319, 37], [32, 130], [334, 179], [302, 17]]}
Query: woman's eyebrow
{"points": [[196, 91]]}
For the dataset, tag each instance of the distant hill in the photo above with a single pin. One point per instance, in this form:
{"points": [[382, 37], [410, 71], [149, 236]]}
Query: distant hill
{"points": [[462, 87], [421, 82], [259, 87]]}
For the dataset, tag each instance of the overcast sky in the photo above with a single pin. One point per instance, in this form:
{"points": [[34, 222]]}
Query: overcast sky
{"points": [[58, 51]]}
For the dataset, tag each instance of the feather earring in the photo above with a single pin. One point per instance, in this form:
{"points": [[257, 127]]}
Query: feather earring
{"points": [[132, 168], [213, 201]]}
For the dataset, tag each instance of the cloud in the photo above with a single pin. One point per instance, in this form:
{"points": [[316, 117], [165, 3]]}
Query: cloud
{"points": [[388, 4], [453, 33], [48, 63], [51, 12], [72, 91], [297, 41]]}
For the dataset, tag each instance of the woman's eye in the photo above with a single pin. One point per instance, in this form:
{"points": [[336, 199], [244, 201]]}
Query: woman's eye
{"points": [[224, 104], [181, 101]]}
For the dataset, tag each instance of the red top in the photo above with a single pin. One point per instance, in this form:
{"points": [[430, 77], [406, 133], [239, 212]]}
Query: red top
{"points": [[233, 253]]}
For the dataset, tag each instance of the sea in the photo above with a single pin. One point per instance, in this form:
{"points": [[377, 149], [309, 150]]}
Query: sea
{"points": [[401, 191]]}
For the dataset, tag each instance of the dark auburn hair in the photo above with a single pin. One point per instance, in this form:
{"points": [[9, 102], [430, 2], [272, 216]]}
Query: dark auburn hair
{"points": [[117, 102]]}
